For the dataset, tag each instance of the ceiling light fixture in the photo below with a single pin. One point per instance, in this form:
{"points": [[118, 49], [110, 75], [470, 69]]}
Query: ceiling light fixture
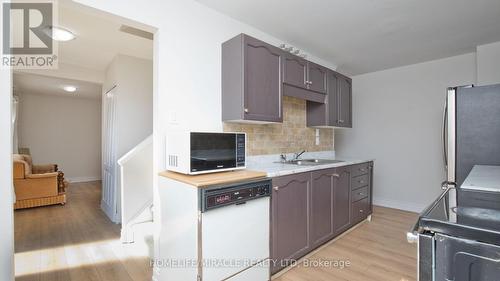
{"points": [[60, 34], [69, 89]]}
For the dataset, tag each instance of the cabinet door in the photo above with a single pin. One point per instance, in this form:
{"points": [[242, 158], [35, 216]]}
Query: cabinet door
{"points": [[289, 218], [295, 71], [333, 99], [263, 81], [321, 229], [342, 200], [345, 102], [316, 77]]}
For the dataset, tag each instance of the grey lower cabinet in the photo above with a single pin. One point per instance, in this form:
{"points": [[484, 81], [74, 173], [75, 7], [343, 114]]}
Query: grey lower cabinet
{"points": [[342, 200], [309, 209], [337, 110], [251, 81], [290, 219]]}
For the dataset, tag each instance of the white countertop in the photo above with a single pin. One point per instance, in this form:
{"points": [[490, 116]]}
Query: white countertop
{"points": [[274, 168], [484, 178]]}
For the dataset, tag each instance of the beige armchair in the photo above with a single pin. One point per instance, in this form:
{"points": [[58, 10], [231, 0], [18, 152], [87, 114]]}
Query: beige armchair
{"points": [[37, 185]]}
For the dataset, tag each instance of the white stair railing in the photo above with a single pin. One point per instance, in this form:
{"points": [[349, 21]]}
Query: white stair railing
{"points": [[136, 186]]}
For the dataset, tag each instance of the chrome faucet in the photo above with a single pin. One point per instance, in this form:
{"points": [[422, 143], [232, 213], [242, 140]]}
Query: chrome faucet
{"points": [[283, 157], [297, 155]]}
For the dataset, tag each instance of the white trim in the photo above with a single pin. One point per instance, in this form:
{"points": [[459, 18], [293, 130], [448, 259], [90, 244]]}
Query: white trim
{"points": [[83, 179], [144, 144], [405, 206]]}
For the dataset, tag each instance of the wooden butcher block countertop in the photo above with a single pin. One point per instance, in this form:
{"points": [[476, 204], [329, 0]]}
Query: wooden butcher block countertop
{"points": [[211, 179]]}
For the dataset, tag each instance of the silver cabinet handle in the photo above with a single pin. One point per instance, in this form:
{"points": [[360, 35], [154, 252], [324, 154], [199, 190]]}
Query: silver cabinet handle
{"points": [[276, 188], [362, 170], [360, 193], [246, 110], [361, 211], [361, 181], [341, 121], [335, 175]]}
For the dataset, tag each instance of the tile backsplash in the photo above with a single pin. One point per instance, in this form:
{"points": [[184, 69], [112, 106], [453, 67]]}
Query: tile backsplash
{"points": [[290, 136]]}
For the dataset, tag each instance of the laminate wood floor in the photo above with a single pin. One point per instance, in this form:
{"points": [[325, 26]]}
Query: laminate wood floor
{"points": [[76, 242], [376, 251]]}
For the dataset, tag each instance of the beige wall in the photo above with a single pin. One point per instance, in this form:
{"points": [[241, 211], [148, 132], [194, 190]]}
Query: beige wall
{"points": [[290, 136], [62, 130]]}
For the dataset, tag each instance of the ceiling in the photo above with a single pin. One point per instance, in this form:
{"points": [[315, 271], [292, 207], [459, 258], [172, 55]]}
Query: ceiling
{"points": [[46, 85], [368, 35], [98, 39], [84, 60]]}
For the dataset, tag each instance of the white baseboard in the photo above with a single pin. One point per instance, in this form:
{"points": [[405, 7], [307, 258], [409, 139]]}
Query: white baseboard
{"points": [[83, 179], [406, 206]]}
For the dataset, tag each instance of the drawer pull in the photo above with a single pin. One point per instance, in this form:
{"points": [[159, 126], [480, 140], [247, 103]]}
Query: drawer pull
{"points": [[276, 188], [360, 193], [362, 170], [335, 175], [361, 211], [361, 181]]}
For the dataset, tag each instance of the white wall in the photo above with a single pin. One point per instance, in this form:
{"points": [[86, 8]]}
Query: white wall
{"points": [[62, 130], [397, 121], [133, 96], [188, 60], [134, 100], [488, 64]]}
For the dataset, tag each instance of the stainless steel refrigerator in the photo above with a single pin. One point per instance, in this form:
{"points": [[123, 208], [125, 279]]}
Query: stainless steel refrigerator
{"points": [[471, 131], [458, 235]]}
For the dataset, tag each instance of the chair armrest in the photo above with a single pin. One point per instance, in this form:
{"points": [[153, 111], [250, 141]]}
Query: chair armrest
{"points": [[46, 168], [43, 176], [18, 168]]}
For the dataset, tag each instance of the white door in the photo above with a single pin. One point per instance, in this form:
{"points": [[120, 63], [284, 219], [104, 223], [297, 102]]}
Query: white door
{"points": [[109, 167]]}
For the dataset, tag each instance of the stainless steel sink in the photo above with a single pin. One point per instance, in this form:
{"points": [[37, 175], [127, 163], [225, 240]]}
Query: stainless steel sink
{"points": [[311, 162]]}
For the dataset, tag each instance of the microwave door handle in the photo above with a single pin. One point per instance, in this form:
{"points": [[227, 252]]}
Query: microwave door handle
{"points": [[444, 135]]}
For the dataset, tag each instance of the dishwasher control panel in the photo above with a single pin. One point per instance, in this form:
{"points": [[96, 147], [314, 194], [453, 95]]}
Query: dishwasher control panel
{"points": [[238, 193]]}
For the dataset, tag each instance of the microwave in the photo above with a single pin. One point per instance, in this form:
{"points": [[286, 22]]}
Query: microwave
{"points": [[195, 153]]}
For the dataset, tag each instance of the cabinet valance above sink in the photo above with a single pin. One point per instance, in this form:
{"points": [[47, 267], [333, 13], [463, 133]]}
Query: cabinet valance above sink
{"points": [[256, 76]]}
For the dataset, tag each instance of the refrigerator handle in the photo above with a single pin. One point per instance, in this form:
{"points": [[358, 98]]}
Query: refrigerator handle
{"points": [[444, 135]]}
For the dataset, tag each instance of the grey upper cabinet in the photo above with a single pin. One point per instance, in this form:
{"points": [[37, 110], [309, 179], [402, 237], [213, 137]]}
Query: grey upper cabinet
{"points": [[322, 207], [256, 76], [251, 80], [345, 102], [337, 110], [342, 200], [304, 74], [316, 78], [289, 218], [295, 71]]}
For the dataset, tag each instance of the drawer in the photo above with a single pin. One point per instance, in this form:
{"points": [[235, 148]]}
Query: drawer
{"points": [[360, 210], [360, 193], [360, 169], [359, 181]]}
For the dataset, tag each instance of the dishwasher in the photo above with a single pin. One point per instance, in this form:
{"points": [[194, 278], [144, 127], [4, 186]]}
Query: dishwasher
{"points": [[234, 232]]}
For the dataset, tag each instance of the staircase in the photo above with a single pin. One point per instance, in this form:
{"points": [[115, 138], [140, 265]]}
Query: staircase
{"points": [[136, 188]]}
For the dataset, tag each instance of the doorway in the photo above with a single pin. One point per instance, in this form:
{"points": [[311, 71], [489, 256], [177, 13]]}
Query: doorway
{"points": [[81, 237]]}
